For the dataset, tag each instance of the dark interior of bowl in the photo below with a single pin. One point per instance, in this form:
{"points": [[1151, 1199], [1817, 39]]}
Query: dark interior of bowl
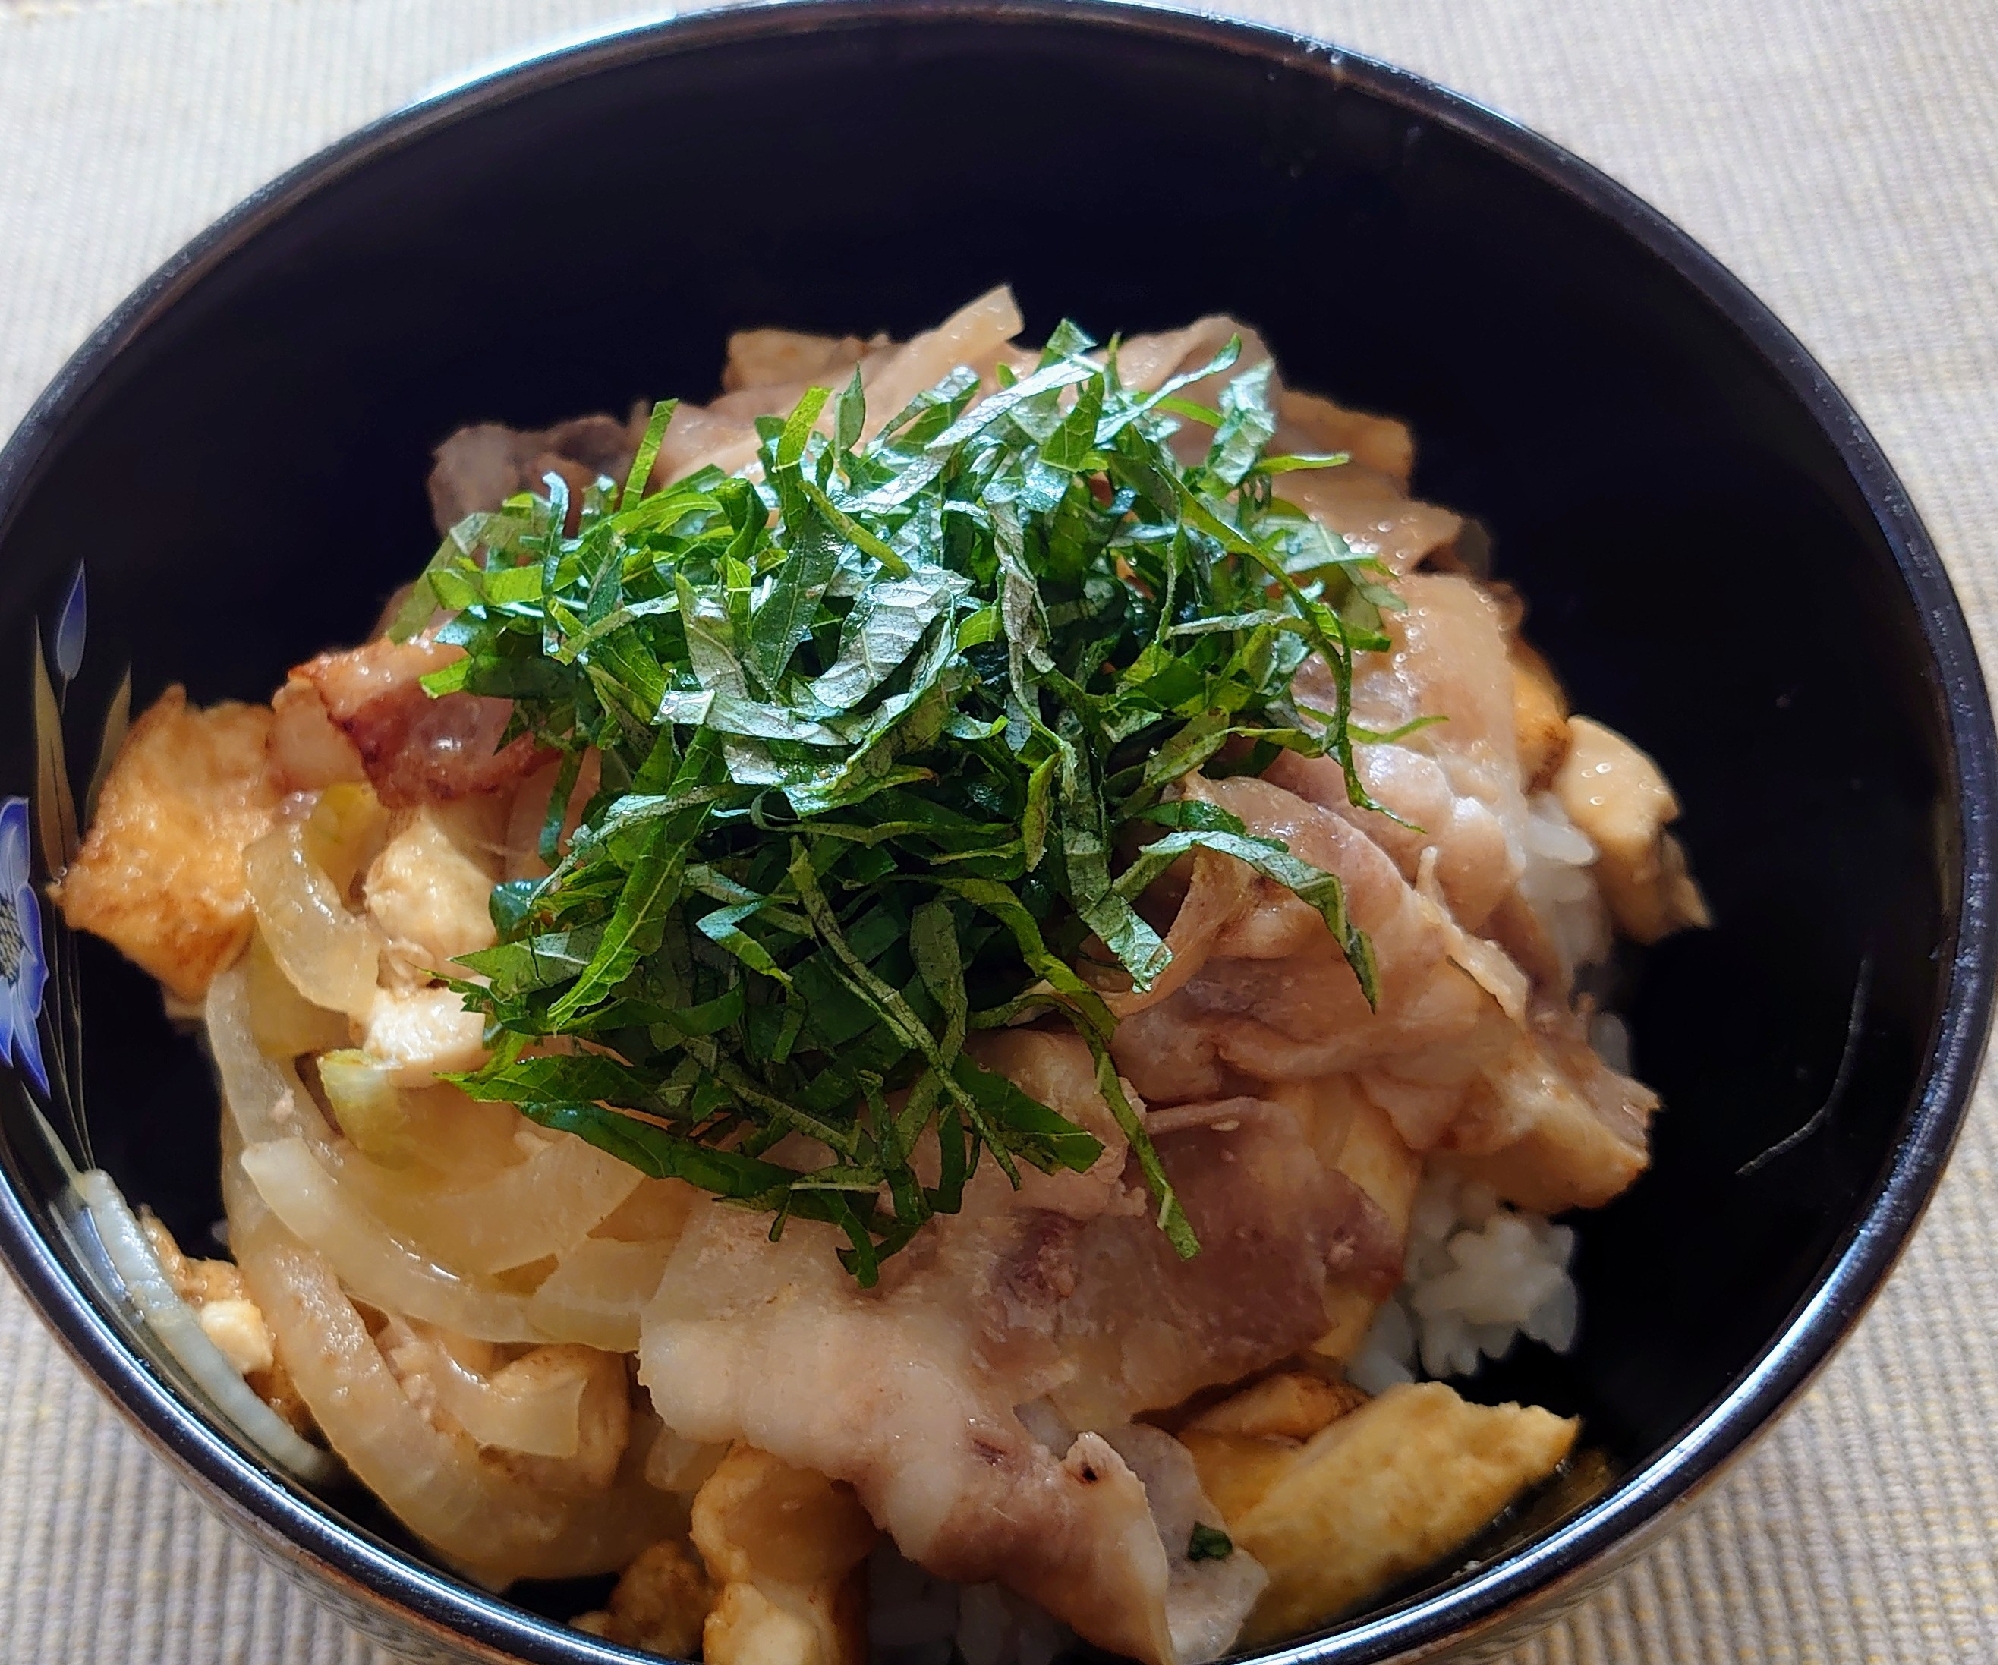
{"points": [[246, 479]]}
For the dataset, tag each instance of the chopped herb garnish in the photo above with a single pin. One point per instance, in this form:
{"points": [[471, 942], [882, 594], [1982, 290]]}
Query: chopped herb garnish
{"points": [[1209, 1543], [885, 738]]}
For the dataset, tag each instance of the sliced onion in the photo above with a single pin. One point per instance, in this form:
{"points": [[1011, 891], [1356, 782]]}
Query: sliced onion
{"points": [[597, 1291], [180, 1332], [493, 1526], [379, 1268], [513, 1410], [265, 1099], [368, 1106], [345, 830], [330, 955], [284, 1023], [544, 1206]]}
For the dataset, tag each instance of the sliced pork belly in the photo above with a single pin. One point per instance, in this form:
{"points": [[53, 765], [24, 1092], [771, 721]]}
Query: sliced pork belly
{"points": [[1276, 1001], [1143, 1329], [480, 467], [364, 713], [1374, 514], [1476, 864], [1064, 1291], [1455, 784], [891, 1392], [1365, 499]]}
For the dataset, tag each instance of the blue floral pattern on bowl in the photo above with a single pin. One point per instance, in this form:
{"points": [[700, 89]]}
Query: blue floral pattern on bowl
{"points": [[24, 968], [41, 1020]]}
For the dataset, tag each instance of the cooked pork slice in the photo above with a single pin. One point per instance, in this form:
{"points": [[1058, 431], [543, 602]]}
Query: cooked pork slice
{"points": [[767, 358], [160, 875], [1620, 798], [977, 336], [308, 750], [776, 1345], [1206, 1599], [767, 372], [1276, 1000], [1374, 514], [698, 438], [1146, 361], [1063, 1289], [1476, 864], [780, 397], [1365, 499], [1144, 1329], [907, 1391], [1450, 660], [1314, 425], [480, 467], [414, 749]]}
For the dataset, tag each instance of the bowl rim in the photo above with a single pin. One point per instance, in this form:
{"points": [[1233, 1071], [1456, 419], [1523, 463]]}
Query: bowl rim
{"points": [[1570, 1558]]}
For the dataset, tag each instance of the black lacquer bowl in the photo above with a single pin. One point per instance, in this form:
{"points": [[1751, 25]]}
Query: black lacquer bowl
{"points": [[1718, 558]]}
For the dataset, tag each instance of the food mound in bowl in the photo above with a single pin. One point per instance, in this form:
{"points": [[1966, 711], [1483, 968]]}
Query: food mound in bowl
{"points": [[911, 1002]]}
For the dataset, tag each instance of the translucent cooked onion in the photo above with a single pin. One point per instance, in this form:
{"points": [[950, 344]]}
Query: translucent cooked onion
{"points": [[537, 1413], [379, 1268], [368, 1106], [330, 955], [180, 1332], [265, 1099], [345, 830], [543, 1206], [597, 1291], [284, 1023], [495, 1527]]}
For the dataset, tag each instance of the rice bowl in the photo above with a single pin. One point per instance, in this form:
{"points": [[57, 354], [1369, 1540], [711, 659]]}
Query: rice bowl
{"points": [[1643, 1407]]}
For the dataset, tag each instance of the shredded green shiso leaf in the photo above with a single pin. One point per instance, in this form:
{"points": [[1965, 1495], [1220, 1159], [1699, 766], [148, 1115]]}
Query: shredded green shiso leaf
{"points": [[1209, 1543], [874, 732]]}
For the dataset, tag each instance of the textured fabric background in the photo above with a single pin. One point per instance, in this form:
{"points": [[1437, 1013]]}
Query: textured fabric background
{"points": [[1840, 155]]}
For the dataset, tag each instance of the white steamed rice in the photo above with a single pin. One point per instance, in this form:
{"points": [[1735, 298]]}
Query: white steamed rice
{"points": [[914, 1619], [1478, 1276], [1555, 856]]}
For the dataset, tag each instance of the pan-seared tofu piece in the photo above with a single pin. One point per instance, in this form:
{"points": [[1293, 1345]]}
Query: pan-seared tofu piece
{"points": [[1292, 1405], [1373, 1155], [1377, 1494], [1550, 1126], [430, 887], [786, 1547], [160, 874], [659, 1605], [1539, 715], [1620, 798], [1244, 1444]]}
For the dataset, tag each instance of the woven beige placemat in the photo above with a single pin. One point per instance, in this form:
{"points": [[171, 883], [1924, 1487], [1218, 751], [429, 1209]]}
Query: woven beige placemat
{"points": [[1842, 157]]}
